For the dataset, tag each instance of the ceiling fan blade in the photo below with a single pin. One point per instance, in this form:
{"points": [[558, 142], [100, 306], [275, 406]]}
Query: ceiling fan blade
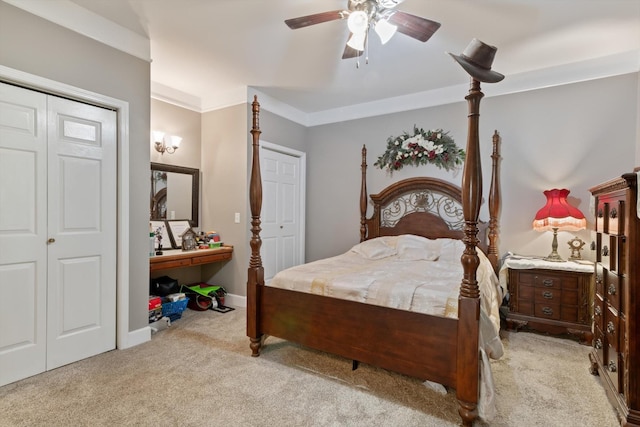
{"points": [[414, 26], [317, 18]]}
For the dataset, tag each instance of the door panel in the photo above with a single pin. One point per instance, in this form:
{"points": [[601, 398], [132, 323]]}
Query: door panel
{"points": [[280, 211], [23, 258], [82, 223]]}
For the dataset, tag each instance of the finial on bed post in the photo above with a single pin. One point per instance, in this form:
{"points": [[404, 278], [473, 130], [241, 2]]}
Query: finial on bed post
{"points": [[256, 270], [494, 202], [469, 300], [363, 195]]}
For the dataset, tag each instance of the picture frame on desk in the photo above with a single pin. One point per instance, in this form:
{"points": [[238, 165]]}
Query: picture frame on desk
{"points": [[176, 228]]}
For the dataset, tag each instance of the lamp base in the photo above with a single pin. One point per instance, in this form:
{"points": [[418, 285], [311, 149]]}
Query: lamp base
{"points": [[553, 256]]}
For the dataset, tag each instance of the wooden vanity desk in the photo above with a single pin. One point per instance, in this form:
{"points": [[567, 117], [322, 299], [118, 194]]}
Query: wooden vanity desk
{"points": [[177, 258]]}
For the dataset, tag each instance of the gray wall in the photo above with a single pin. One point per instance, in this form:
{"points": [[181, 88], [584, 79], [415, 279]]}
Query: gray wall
{"points": [[174, 120], [572, 136], [39, 47]]}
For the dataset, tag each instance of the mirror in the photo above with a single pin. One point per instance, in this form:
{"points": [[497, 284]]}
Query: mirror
{"points": [[174, 193]]}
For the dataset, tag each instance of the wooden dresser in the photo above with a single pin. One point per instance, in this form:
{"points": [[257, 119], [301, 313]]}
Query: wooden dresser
{"points": [[550, 297], [616, 319]]}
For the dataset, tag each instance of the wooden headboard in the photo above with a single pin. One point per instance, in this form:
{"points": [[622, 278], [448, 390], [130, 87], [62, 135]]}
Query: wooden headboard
{"points": [[428, 207]]}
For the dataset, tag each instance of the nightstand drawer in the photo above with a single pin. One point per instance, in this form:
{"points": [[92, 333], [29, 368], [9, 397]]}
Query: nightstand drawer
{"points": [[548, 311], [551, 296], [544, 279]]}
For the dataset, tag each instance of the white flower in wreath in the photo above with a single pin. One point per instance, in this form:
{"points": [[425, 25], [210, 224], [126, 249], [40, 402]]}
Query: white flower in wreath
{"points": [[439, 149], [427, 145]]}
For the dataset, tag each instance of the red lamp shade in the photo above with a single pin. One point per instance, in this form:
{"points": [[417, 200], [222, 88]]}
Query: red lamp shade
{"points": [[559, 214]]}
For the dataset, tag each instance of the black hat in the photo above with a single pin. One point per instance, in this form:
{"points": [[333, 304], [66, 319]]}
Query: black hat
{"points": [[477, 59]]}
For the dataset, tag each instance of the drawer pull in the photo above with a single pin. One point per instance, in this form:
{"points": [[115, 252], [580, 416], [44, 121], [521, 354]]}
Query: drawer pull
{"points": [[547, 282], [611, 328], [598, 344], [612, 289], [612, 366], [599, 279], [613, 213], [547, 310], [598, 310], [600, 213], [605, 251], [547, 295]]}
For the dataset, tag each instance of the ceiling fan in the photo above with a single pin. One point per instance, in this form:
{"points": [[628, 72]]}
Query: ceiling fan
{"points": [[363, 15]]}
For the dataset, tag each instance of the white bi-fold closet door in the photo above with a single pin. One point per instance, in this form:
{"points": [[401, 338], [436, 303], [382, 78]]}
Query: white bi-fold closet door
{"points": [[58, 189]]}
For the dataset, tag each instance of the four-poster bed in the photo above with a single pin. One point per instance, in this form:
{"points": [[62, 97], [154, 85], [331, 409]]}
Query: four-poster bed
{"points": [[430, 347]]}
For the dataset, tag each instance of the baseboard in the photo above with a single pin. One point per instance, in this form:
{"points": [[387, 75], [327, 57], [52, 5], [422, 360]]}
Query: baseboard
{"points": [[136, 337], [237, 301]]}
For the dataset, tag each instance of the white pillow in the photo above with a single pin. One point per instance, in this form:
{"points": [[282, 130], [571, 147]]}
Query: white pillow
{"points": [[378, 248], [415, 248], [451, 250]]}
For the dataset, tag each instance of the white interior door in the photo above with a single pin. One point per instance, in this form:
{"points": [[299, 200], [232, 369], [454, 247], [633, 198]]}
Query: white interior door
{"points": [[57, 231], [281, 211], [81, 310], [23, 233]]}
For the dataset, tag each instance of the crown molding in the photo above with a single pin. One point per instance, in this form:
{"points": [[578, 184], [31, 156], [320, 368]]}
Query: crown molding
{"points": [[89, 24], [76, 18]]}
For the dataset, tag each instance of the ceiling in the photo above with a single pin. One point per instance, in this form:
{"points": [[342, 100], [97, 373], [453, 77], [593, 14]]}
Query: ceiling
{"points": [[205, 53]]}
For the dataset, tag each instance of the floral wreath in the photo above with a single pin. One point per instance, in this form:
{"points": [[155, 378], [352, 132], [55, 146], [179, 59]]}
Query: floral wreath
{"points": [[421, 147]]}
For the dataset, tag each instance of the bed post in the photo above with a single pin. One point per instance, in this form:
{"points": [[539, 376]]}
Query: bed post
{"points": [[363, 195], [494, 203], [468, 366], [256, 270]]}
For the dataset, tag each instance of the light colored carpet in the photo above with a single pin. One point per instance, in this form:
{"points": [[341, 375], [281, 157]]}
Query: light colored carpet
{"points": [[199, 372]]}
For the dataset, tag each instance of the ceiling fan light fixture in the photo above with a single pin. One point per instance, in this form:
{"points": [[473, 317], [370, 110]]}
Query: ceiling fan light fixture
{"points": [[388, 4], [385, 30], [356, 41], [358, 22]]}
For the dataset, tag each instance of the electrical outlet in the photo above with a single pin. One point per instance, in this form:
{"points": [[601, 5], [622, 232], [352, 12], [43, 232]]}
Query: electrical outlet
{"points": [[237, 218]]}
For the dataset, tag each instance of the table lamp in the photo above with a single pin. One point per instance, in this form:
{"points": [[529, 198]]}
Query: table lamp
{"points": [[558, 214]]}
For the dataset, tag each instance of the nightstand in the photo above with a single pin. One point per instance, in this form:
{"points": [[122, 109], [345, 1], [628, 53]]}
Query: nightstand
{"points": [[551, 297]]}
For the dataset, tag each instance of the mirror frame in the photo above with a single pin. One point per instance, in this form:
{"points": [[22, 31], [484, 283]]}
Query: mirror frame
{"points": [[195, 187]]}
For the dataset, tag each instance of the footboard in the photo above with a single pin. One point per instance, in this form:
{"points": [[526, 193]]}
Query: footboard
{"points": [[414, 344]]}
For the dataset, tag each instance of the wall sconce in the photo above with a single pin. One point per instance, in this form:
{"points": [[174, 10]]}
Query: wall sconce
{"points": [[161, 145]]}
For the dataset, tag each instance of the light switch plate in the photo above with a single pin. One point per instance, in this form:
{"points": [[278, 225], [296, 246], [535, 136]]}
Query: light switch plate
{"points": [[237, 218]]}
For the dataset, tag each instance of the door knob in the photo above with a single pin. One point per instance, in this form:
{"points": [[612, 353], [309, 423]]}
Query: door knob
{"points": [[51, 240]]}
